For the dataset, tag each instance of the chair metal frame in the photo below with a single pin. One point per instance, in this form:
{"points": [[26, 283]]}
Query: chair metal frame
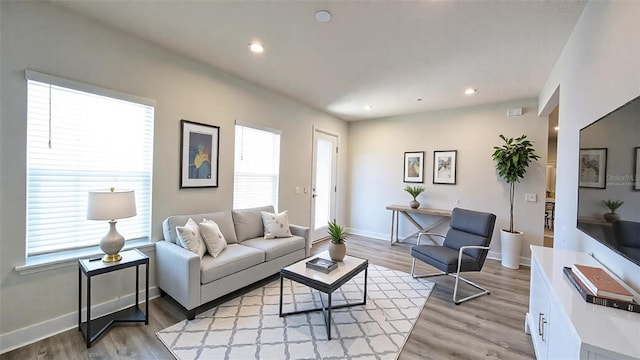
{"points": [[484, 291]]}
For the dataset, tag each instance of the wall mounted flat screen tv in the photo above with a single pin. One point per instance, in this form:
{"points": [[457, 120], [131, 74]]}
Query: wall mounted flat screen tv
{"points": [[609, 171]]}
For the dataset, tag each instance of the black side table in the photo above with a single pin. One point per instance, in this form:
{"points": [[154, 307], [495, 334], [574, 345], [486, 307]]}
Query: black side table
{"points": [[93, 328]]}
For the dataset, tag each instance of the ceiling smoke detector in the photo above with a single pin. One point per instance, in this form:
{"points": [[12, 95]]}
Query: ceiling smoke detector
{"points": [[323, 16]]}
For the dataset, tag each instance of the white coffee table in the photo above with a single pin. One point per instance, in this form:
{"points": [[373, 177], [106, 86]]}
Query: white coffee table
{"points": [[326, 283]]}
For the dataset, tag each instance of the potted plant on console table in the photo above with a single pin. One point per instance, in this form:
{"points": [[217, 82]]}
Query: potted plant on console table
{"points": [[337, 248], [512, 160], [414, 191]]}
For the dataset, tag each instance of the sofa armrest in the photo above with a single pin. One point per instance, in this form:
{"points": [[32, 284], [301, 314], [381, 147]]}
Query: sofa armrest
{"points": [[305, 233], [178, 272]]}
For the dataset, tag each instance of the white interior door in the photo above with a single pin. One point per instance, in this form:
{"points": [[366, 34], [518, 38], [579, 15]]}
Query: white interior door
{"points": [[324, 182]]}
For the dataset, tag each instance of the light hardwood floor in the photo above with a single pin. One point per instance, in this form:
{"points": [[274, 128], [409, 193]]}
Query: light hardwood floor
{"points": [[489, 327]]}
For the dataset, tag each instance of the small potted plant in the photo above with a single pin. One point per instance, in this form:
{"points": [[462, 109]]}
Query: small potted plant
{"points": [[337, 248], [612, 205], [414, 191], [512, 160]]}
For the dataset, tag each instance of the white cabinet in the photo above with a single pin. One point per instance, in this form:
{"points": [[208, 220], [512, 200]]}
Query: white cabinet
{"points": [[563, 326], [551, 335]]}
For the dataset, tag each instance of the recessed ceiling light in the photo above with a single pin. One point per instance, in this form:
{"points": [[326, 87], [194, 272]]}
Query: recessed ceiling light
{"points": [[323, 16], [470, 91], [368, 107], [256, 47]]}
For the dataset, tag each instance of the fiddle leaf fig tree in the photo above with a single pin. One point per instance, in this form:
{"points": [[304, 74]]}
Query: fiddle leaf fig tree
{"points": [[512, 160]]}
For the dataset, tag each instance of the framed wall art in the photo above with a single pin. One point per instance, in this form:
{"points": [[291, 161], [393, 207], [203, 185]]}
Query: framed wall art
{"points": [[413, 166], [444, 167], [593, 168], [199, 146]]}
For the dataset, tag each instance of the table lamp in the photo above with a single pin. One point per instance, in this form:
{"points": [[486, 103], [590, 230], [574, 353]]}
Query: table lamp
{"points": [[111, 205]]}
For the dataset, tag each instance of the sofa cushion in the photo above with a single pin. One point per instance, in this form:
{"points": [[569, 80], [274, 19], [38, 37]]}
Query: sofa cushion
{"points": [[276, 225], [222, 218], [213, 238], [190, 239], [235, 258], [248, 222], [274, 248]]}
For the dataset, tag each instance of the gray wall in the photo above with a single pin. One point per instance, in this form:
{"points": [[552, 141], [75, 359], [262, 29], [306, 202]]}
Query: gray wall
{"points": [[596, 73], [43, 37], [376, 166]]}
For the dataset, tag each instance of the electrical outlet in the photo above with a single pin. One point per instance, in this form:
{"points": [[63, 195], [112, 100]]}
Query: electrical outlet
{"points": [[530, 197]]}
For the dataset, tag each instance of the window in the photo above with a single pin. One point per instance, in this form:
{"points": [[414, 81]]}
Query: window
{"points": [[257, 167], [81, 138]]}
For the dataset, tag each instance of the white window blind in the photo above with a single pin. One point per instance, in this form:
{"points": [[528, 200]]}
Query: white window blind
{"points": [[257, 167], [79, 141]]}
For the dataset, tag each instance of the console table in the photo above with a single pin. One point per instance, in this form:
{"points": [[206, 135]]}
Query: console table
{"points": [[406, 211], [564, 326]]}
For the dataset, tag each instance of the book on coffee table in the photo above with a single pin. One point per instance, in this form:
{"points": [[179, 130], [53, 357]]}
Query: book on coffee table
{"points": [[321, 264]]}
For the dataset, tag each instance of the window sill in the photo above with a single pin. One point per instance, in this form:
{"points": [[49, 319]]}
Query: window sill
{"points": [[47, 262]]}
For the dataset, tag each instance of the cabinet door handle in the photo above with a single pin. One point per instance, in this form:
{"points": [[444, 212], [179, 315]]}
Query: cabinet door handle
{"points": [[544, 321], [540, 320]]}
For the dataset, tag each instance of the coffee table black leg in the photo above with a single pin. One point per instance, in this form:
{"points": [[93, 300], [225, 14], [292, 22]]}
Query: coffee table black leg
{"points": [[281, 280], [329, 317], [364, 301]]}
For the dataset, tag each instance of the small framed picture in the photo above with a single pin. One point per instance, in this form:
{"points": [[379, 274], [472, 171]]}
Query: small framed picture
{"points": [[593, 168], [413, 166], [199, 146], [636, 173], [444, 167]]}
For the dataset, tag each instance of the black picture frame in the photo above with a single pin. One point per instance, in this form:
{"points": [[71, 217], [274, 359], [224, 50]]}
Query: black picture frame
{"points": [[199, 155], [445, 167], [636, 171], [593, 168], [413, 167]]}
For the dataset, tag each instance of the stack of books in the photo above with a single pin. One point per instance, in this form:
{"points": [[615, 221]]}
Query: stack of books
{"points": [[323, 265], [597, 287]]}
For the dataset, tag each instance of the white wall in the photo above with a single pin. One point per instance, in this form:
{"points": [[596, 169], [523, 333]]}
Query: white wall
{"points": [[43, 37], [598, 71], [376, 152]]}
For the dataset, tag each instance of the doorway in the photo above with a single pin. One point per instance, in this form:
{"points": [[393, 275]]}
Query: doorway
{"points": [[324, 187]]}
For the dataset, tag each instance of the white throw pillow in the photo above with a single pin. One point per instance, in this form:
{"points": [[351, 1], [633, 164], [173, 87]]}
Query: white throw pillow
{"points": [[213, 238], [190, 239], [276, 225]]}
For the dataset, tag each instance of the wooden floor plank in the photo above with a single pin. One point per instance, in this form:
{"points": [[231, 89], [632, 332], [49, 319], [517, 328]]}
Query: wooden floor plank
{"points": [[489, 327]]}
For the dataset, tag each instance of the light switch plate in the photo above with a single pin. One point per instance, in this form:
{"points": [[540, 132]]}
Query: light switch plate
{"points": [[530, 197]]}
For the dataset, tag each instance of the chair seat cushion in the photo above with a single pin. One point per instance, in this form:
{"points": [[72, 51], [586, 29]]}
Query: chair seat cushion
{"points": [[444, 258], [274, 248], [235, 258]]}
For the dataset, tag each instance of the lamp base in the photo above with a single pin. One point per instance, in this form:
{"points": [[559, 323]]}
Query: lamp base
{"points": [[111, 244], [109, 258]]}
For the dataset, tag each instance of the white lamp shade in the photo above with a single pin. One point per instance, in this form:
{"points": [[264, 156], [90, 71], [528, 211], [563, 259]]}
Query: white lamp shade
{"points": [[111, 204]]}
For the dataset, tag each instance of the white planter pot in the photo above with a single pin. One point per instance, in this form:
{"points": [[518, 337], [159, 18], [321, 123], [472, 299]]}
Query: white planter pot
{"points": [[510, 244]]}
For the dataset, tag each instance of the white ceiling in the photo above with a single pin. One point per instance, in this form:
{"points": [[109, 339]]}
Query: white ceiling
{"points": [[386, 54]]}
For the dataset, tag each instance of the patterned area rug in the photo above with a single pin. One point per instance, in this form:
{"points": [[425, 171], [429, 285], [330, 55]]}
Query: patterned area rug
{"points": [[248, 327]]}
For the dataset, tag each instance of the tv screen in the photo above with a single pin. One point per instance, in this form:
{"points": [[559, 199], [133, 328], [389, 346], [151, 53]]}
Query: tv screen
{"points": [[609, 180]]}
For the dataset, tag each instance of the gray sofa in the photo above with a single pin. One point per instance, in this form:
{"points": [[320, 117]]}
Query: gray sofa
{"points": [[249, 257]]}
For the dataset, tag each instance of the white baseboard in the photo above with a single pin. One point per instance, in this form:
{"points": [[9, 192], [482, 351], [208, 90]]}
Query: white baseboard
{"points": [[371, 234], [30, 334]]}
